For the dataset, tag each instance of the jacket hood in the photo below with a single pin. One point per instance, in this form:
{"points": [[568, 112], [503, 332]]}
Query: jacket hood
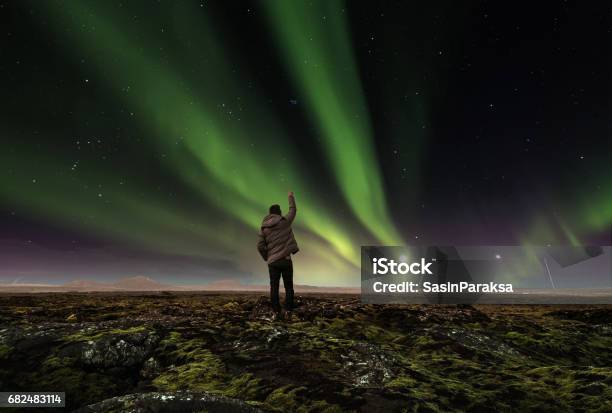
{"points": [[271, 220]]}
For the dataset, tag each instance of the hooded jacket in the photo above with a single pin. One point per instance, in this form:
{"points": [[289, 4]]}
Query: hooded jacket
{"points": [[275, 239]]}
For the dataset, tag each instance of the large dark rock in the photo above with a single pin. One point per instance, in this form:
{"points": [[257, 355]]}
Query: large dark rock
{"points": [[113, 350], [178, 402]]}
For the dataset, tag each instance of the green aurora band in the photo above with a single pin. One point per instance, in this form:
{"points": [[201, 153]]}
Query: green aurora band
{"points": [[319, 56]]}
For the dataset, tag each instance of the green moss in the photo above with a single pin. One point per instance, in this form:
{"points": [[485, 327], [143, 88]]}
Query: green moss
{"points": [[351, 329], [86, 336], [521, 340], [295, 399], [131, 330], [426, 341], [402, 382], [376, 334], [203, 374], [173, 337], [245, 386], [5, 351], [285, 396], [547, 371], [563, 389], [200, 370], [197, 370]]}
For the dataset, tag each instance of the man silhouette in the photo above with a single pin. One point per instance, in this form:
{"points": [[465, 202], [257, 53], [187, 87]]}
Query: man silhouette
{"points": [[276, 243]]}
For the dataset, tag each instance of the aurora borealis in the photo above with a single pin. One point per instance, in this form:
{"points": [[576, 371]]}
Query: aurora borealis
{"points": [[151, 137]]}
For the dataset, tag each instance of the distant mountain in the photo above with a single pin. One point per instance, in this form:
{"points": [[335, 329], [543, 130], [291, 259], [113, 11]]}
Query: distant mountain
{"points": [[141, 283], [88, 285]]}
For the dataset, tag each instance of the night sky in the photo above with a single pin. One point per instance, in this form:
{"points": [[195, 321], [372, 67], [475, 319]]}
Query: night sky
{"points": [[149, 138]]}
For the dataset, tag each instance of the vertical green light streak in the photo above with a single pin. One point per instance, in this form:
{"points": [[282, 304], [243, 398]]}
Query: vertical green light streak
{"points": [[313, 37]]}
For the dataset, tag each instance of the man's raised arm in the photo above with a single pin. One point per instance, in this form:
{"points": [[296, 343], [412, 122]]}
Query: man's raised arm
{"points": [[292, 209]]}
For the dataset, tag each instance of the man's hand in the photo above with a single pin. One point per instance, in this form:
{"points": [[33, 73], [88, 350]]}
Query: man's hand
{"points": [[291, 215]]}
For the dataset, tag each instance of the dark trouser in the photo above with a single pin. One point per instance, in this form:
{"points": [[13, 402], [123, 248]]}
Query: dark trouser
{"points": [[284, 268]]}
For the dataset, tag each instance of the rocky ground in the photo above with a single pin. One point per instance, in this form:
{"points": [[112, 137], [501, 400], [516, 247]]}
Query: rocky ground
{"points": [[166, 352]]}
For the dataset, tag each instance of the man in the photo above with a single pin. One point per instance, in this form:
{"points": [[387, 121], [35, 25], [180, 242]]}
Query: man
{"points": [[276, 243]]}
